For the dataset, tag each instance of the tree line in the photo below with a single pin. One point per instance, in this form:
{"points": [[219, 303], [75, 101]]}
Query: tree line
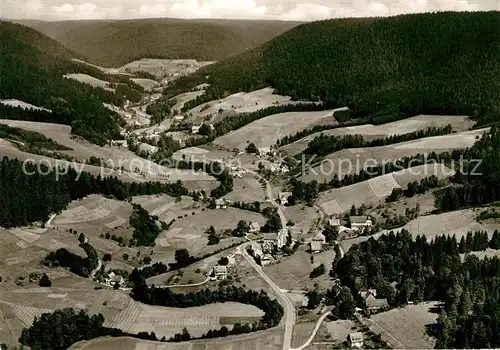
{"points": [[323, 144], [28, 198], [273, 311], [146, 230], [477, 181], [414, 188], [76, 264], [377, 118]]}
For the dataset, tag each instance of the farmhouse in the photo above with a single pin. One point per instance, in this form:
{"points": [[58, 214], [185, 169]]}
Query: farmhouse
{"points": [[119, 143], [265, 259], [371, 303], [315, 246], [376, 305], [360, 222], [283, 197], [320, 238], [254, 227], [269, 242], [195, 128], [114, 278], [220, 203], [219, 273], [355, 340], [264, 150], [334, 222]]}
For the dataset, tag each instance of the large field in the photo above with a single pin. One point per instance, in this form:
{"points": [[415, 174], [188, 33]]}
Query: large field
{"points": [[247, 189], [24, 105], [352, 161], [181, 99], [452, 223], [188, 230], [407, 325], [115, 157], [97, 215], [166, 321], [147, 84], [90, 80], [241, 102], [268, 340], [292, 273], [375, 190], [266, 131], [370, 132]]}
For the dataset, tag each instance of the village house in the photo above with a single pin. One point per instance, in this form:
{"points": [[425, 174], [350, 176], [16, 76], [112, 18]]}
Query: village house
{"points": [[372, 304], [120, 143], [254, 227], [360, 222], [315, 246], [355, 340], [219, 273], [220, 203], [113, 278], [195, 128], [264, 150], [269, 242], [334, 222], [265, 259], [283, 197], [320, 238]]}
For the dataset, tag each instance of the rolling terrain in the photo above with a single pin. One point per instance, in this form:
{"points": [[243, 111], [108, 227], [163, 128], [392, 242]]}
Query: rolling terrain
{"points": [[440, 63], [115, 43]]}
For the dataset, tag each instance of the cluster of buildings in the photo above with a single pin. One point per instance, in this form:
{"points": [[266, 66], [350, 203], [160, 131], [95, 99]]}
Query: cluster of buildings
{"points": [[263, 250], [112, 278], [355, 226]]}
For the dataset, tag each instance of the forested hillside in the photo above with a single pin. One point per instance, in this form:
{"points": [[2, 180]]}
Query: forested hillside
{"points": [[32, 68], [115, 43], [441, 63], [27, 198]]}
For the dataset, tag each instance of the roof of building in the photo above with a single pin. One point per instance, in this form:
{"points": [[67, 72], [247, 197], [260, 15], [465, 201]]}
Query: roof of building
{"points": [[270, 236], [285, 195], [356, 337], [219, 269], [366, 293], [255, 225], [319, 237], [220, 201], [316, 245], [358, 219], [334, 222], [376, 303]]}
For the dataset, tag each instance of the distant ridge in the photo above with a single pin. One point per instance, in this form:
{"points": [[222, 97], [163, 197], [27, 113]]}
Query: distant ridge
{"points": [[113, 43], [434, 63]]}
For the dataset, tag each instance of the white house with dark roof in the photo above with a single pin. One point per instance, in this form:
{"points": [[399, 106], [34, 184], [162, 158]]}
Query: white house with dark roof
{"points": [[355, 340], [360, 222]]}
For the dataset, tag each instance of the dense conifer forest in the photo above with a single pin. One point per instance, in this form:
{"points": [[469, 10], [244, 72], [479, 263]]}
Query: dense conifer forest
{"points": [[423, 270], [27, 198], [440, 63], [32, 70]]}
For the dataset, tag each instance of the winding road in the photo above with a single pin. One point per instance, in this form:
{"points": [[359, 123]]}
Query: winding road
{"points": [[288, 308]]}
